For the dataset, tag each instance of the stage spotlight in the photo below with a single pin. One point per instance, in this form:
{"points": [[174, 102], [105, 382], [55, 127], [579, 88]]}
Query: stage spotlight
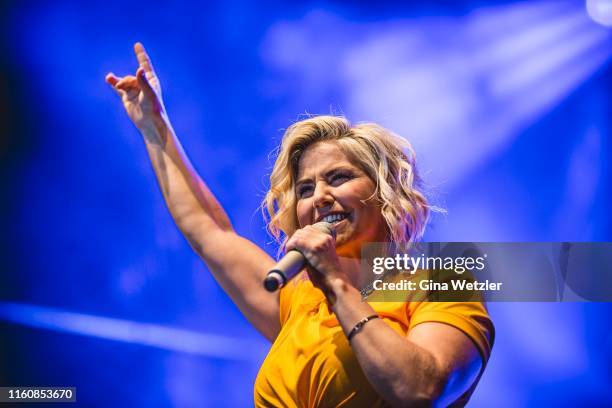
{"points": [[600, 11]]}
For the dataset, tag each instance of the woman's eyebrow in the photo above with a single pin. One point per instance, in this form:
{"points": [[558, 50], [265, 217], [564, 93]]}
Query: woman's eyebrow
{"points": [[338, 169], [328, 173], [302, 181]]}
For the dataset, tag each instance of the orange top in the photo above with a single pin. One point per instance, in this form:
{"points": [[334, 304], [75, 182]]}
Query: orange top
{"points": [[311, 363]]}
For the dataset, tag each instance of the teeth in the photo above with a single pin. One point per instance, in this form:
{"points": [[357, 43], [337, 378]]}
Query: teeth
{"points": [[334, 217]]}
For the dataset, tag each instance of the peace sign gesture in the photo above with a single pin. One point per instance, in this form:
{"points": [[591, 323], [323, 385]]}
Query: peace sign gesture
{"points": [[141, 94]]}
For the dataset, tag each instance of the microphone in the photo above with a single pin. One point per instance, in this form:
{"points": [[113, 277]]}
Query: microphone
{"points": [[292, 263]]}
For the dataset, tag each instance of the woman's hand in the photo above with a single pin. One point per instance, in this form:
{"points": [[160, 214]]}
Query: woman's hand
{"points": [[319, 249], [141, 94]]}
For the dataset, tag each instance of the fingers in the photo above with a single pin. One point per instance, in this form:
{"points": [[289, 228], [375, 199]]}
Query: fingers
{"points": [[143, 58], [145, 86], [112, 79], [124, 83], [127, 82], [127, 86], [310, 239], [141, 81]]}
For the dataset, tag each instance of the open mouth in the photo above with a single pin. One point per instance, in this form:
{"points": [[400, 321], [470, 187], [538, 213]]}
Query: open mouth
{"points": [[335, 218]]}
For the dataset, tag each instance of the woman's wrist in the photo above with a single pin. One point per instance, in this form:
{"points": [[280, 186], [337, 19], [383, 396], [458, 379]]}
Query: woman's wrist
{"points": [[345, 296], [156, 130], [350, 309]]}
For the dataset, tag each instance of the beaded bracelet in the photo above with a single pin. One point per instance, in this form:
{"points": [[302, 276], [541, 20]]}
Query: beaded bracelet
{"points": [[359, 326]]}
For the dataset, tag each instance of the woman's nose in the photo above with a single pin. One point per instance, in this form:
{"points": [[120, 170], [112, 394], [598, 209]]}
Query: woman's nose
{"points": [[322, 196]]}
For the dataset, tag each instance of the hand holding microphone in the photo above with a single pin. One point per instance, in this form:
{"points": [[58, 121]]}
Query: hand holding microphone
{"points": [[293, 262]]}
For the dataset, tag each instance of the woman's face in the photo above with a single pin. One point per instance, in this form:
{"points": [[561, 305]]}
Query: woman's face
{"points": [[330, 188]]}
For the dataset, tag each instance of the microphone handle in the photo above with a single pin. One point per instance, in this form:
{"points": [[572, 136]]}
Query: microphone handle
{"points": [[289, 266], [292, 263]]}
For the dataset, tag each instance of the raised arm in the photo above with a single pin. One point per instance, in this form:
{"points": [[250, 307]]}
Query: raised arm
{"points": [[236, 263]]}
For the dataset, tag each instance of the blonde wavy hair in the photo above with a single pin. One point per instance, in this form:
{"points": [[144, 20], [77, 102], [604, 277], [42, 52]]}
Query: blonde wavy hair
{"points": [[385, 157]]}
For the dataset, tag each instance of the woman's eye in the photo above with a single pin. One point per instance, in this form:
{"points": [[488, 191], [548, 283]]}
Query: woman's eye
{"points": [[304, 191], [339, 178]]}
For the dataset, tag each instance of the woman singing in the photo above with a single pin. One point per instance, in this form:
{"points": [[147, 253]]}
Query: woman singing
{"points": [[329, 348]]}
